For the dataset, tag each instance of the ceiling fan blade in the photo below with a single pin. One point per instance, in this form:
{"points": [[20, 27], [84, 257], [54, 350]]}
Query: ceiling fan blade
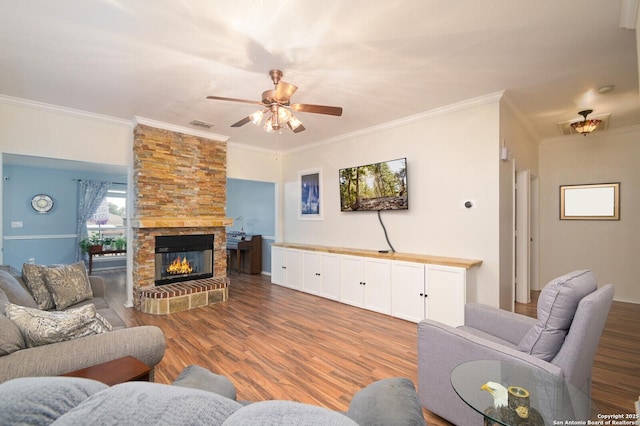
{"points": [[284, 91], [242, 122], [298, 129], [317, 109], [220, 98]]}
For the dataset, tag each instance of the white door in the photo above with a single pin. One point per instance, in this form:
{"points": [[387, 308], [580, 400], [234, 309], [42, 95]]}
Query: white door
{"points": [[522, 237], [330, 276], [377, 285], [407, 291], [293, 262], [446, 294], [278, 270], [352, 280], [310, 272]]}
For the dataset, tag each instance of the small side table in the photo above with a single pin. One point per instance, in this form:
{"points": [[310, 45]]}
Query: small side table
{"points": [[101, 253], [126, 369], [553, 397]]}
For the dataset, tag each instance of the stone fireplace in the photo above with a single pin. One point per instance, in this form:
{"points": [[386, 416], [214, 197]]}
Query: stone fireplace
{"points": [[180, 191], [182, 258]]}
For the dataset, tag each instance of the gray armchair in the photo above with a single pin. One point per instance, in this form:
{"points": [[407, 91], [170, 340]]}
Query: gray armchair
{"points": [[563, 341]]}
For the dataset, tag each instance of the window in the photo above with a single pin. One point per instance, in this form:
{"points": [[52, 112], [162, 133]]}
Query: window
{"points": [[109, 221]]}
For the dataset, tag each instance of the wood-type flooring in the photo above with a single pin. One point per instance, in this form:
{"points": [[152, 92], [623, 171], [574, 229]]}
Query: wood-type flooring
{"points": [[276, 343]]}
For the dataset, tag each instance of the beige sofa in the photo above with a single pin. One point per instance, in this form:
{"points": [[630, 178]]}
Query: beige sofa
{"points": [[146, 343]]}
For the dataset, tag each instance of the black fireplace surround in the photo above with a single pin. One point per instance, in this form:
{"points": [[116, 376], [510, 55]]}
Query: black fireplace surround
{"points": [[183, 258]]}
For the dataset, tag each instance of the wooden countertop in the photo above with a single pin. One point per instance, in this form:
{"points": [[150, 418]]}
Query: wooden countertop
{"points": [[405, 257]]}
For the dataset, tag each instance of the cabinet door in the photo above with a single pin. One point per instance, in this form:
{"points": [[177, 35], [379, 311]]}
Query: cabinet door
{"points": [[446, 292], [377, 285], [408, 291], [293, 262], [351, 280], [278, 268], [310, 272], [330, 276]]}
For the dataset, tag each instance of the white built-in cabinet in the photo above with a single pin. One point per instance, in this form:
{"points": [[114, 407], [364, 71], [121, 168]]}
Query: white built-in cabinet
{"points": [[321, 274], [286, 267], [422, 291], [409, 290], [366, 283]]}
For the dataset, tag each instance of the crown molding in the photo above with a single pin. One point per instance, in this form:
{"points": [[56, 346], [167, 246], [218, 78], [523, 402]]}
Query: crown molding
{"points": [[248, 147], [179, 129], [436, 112], [26, 103]]}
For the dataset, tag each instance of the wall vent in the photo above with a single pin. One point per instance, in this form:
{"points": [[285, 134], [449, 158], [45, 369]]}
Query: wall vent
{"points": [[199, 123], [566, 129]]}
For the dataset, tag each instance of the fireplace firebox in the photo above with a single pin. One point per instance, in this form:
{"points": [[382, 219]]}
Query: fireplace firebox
{"points": [[183, 258]]}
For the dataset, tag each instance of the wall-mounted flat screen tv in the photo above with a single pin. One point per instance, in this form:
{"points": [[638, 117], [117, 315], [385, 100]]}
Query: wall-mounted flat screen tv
{"points": [[374, 187]]}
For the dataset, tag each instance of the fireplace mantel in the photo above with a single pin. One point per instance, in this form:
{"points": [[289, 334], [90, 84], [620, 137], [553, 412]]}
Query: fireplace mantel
{"points": [[181, 222]]}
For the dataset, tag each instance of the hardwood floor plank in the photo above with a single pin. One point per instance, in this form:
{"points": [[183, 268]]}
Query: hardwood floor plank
{"points": [[277, 343]]}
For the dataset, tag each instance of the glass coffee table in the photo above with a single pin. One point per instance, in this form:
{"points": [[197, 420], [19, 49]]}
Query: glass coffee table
{"points": [[547, 397]]}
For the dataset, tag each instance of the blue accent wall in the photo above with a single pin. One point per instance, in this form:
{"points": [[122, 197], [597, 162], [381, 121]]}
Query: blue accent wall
{"points": [[48, 238], [256, 203]]}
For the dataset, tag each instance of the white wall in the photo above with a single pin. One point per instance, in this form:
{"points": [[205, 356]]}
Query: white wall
{"points": [[609, 248], [45, 131], [452, 158]]}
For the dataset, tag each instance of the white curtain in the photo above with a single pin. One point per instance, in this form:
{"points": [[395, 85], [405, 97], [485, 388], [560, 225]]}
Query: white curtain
{"points": [[90, 195]]}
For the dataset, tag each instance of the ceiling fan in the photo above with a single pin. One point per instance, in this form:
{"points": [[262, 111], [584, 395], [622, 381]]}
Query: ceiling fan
{"points": [[276, 105]]}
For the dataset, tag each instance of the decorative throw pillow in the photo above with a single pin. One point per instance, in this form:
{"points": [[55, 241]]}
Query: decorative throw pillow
{"points": [[45, 327], [34, 278], [14, 291], [11, 339], [557, 305], [69, 284]]}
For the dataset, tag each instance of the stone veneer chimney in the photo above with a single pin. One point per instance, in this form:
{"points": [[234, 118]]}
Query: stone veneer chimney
{"points": [[179, 184]]}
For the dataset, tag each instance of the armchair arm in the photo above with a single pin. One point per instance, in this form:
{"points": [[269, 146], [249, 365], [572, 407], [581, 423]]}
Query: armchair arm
{"points": [[97, 285], [440, 349], [506, 325]]}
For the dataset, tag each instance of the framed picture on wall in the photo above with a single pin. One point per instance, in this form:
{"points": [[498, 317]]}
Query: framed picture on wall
{"points": [[310, 195], [590, 202]]}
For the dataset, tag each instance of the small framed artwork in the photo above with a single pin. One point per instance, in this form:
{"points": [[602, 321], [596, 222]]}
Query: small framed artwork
{"points": [[310, 195], [599, 201]]}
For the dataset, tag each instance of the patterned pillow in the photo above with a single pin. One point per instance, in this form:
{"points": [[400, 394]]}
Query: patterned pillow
{"points": [[34, 278], [68, 284], [43, 327]]}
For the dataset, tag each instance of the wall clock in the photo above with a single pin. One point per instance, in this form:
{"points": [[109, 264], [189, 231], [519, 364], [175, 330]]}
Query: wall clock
{"points": [[42, 203]]}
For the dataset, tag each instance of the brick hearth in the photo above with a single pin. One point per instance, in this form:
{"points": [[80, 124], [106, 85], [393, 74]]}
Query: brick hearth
{"points": [[171, 298], [179, 189]]}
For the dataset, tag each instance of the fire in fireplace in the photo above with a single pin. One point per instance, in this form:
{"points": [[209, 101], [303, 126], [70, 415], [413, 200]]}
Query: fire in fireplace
{"points": [[183, 258]]}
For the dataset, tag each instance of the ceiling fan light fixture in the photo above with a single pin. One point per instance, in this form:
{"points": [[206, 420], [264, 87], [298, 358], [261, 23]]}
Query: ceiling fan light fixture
{"points": [[256, 117], [294, 123], [585, 126], [284, 115]]}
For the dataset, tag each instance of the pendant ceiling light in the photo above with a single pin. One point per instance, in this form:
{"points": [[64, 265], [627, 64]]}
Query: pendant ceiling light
{"points": [[585, 126]]}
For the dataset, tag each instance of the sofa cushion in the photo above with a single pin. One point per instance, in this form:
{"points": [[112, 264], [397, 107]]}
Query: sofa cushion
{"points": [[44, 327], [41, 400], [34, 278], [146, 403], [69, 284], [557, 305], [197, 377], [14, 291], [386, 402], [285, 413], [11, 339]]}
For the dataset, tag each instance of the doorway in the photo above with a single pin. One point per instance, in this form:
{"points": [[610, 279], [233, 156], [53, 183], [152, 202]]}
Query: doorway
{"points": [[525, 236]]}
